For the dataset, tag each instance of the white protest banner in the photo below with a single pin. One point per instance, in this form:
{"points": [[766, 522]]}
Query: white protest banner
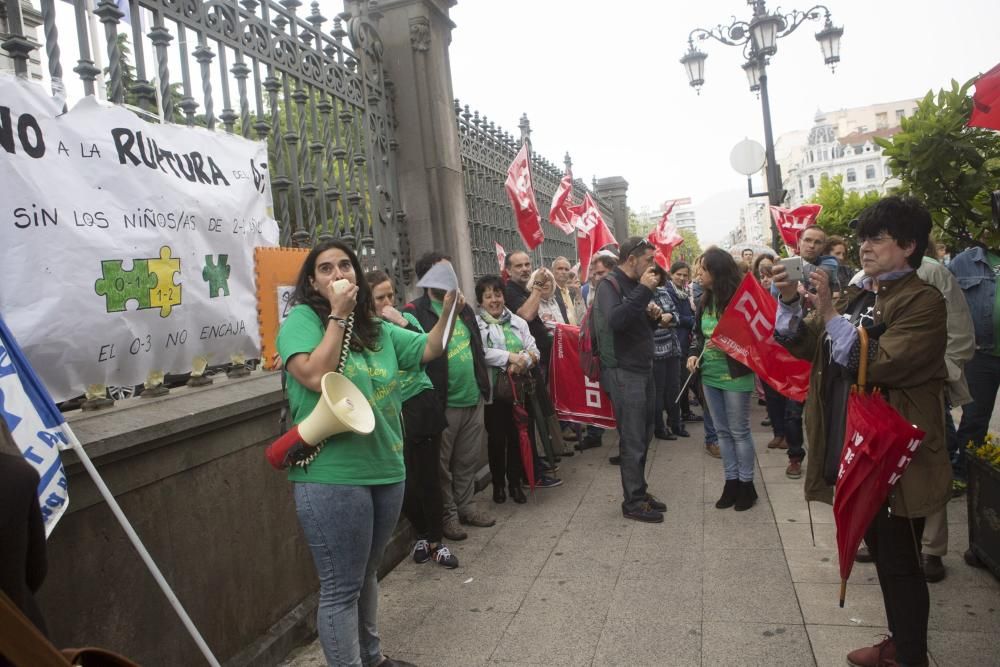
{"points": [[127, 246]]}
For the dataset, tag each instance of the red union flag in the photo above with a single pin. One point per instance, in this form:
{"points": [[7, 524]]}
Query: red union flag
{"points": [[576, 397], [501, 255], [561, 212], [522, 198], [746, 333], [791, 222], [592, 233], [665, 238]]}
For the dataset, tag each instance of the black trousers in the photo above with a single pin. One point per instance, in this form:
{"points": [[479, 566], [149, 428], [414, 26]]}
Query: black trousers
{"points": [[503, 445], [666, 373], [894, 544], [422, 503]]}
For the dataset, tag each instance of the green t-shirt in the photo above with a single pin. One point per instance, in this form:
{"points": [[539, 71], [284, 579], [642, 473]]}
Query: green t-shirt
{"points": [[350, 458], [714, 367], [463, 390], [995, 264], [412, 383]]}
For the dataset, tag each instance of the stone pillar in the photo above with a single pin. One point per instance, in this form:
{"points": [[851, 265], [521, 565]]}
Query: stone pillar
{"points": [[614, 189], [416, 35]]}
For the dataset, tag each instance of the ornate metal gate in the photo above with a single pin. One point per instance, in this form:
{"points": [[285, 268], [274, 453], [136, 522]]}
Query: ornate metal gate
{"points": [[323, 106], [487, 151]]}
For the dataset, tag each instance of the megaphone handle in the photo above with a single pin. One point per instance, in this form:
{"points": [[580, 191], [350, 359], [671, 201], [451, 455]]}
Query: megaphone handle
{"points": [[277, 451]]}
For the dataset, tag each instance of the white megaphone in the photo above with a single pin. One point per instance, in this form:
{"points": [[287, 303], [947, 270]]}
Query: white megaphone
{"points": [[342, 407]]}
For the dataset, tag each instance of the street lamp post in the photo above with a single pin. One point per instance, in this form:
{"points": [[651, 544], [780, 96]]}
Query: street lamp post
{"points": [[759, 39]]}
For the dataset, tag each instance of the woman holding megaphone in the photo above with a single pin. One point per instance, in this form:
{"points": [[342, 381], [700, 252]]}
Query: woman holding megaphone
{"points": [[349, 493]]}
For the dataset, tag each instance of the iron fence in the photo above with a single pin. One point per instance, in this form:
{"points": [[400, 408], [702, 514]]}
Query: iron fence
{"points": [[487, 151]]}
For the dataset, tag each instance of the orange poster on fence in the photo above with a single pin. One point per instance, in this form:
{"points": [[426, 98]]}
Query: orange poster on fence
{"points": [[276, 269]]}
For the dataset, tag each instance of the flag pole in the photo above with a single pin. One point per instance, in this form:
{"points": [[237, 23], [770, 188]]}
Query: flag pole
{"points": [[116, 509], [691, 375]]}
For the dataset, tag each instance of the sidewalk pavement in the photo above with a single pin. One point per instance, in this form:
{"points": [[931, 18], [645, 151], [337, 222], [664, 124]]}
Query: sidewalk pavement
{"points": [[565, 580]]}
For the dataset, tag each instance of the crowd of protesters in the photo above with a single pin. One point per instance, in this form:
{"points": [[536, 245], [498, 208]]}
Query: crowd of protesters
{"points": [[486, 389]]}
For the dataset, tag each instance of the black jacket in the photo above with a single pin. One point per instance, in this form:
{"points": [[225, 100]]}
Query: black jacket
{"points": [[736, 369], [437, 370]]}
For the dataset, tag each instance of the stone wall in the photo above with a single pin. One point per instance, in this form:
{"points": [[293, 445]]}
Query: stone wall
{"points": [[189, 472]]}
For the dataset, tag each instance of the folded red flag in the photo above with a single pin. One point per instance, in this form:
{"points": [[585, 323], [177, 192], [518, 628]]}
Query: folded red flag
{"points": [[522, 198]]}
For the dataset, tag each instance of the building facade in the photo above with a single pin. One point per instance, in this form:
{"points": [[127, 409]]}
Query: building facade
{"points": [[841, 143]]}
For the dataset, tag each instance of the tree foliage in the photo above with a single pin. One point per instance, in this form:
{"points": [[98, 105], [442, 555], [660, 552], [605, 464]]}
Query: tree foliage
{"points": [[839, 208], [950, 167]]}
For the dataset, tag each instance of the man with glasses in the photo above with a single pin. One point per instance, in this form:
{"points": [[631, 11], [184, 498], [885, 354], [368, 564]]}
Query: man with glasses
{"points": [[906, 322], [624, 319]]}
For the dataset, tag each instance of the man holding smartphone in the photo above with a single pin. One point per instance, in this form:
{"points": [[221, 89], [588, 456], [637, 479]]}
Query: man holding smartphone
{"points": [[811, 244]]}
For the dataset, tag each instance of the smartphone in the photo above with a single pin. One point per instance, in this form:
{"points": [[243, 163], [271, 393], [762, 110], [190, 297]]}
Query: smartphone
{"points": [[793, 266]]}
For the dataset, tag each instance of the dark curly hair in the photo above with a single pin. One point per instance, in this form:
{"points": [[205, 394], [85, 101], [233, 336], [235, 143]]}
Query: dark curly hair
{"points": [[485, 283], [367, 328]]}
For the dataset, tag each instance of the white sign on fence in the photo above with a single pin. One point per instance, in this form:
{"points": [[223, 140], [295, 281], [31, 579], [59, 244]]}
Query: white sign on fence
{"points": [[126, 246]]}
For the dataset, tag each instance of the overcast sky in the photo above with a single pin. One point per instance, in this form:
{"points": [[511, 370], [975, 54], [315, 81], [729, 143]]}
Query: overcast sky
{"points": [[602, 81]]}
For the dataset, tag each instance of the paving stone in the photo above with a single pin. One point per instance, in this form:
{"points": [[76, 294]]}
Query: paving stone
{"points": [[459, 633], [774, 645], [647, 642], [820, 566], [832, 643], [862, 607], [964, 648], [749, 584]]}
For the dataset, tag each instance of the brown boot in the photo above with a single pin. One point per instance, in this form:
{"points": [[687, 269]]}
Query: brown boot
{"points": [[777, 442], [874, 656]]}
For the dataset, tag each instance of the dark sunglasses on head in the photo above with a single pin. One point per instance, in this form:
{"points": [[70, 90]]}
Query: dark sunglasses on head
{"points": [[641, 246]]}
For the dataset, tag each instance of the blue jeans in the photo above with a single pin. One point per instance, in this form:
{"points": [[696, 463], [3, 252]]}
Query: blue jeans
{"points": [[731, 412], [711, 437], [983, 375], [633, 397], [347, 528], [775, 409]]}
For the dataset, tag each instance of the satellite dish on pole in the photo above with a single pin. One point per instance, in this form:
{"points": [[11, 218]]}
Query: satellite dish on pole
{"points": [[747, 157]]}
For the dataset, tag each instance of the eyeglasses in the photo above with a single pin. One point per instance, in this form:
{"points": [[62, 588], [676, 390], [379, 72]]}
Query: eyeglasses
{"points": [[876, 240]]}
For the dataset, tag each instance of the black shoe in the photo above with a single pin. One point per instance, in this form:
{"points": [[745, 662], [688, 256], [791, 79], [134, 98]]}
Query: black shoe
{"points": [[655, 503], [863, 555], [643, 513], [692, 417], [933, 569], [499, 495], [728, 498], [663, 435], [517, 495], [615, 460], [389, 662], [681, 431], [746, 496], [765, 422], [761, 401], [586, 443]]}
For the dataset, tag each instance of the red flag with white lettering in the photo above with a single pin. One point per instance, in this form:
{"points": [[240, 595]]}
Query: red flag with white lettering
{"points": [[592, 233], [665, 238], [522, 198], [576, 398], [791, 223], [746, 333], [561, 212]]}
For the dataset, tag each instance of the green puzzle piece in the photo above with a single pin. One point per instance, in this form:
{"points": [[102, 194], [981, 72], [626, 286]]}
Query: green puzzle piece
{"points": [[216, 275], [118, 286]]}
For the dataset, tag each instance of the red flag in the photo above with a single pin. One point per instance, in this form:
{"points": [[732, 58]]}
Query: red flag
{"points": [[501, 260], [792, 223], [986, 101], [746, 333], [522, 198], [576, 398], [665, 238], [561, 213], [592, 233]]}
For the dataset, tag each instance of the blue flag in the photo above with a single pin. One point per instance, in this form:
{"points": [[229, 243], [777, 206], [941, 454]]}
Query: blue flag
{"points": [[38, 427]]}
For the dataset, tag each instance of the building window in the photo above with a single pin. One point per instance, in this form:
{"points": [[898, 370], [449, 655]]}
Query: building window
{"points": [[812, 182], [870, 172], [852, 176], [858, 150], [881, 120], [888, 170], [900, 115], [800, 185]]}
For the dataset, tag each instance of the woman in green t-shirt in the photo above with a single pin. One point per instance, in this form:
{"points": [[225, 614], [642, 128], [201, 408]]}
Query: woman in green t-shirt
{"points": [[728, 384], [349, 496]]}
